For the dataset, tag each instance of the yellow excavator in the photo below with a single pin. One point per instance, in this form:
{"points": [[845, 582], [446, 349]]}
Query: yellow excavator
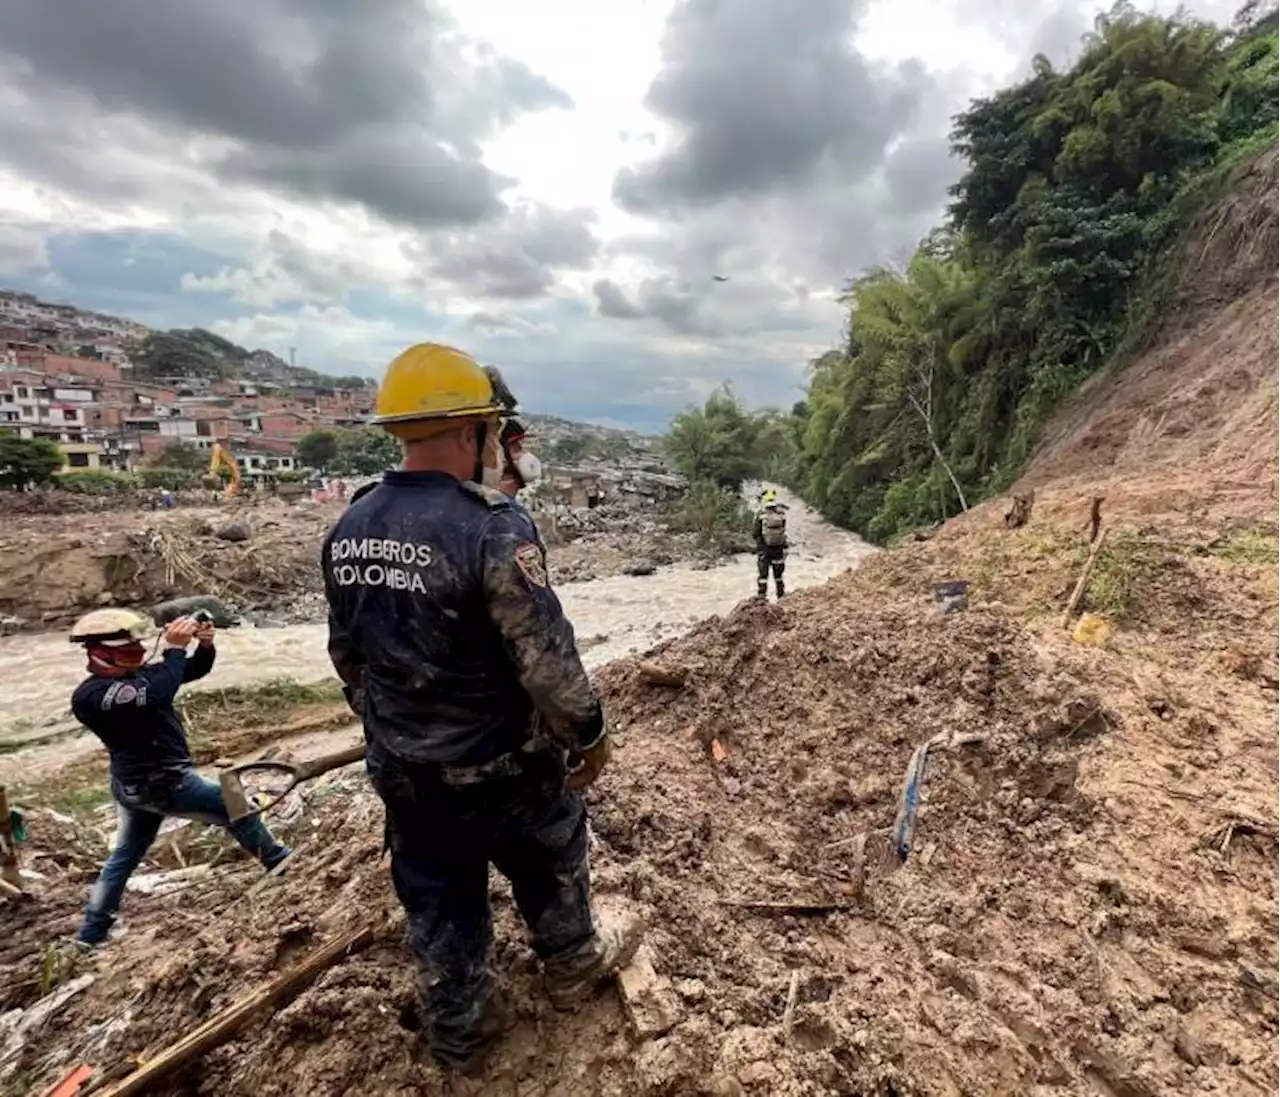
{"points": [[220, 459]]}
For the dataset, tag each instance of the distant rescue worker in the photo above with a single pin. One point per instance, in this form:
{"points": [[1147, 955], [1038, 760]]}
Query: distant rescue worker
{"points": [[480, 722], [128, 704], [522, 469], [770, 532]]}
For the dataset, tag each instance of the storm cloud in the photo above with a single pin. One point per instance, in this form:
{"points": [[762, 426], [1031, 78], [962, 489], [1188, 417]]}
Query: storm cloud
{"points": [[761, 95], [384, 105]]}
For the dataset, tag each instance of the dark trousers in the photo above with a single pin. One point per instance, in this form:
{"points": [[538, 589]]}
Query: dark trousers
{"points": [[767, 560], [443, 836]]}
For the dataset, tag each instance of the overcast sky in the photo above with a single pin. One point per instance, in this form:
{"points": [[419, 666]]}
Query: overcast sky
{"points": [[550, 185]]}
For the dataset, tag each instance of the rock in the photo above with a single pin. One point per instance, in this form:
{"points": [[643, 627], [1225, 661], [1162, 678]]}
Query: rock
{"points": [[223, 616], [648, 999], [10, 625], [233, 531], [105, 598], [639, 567]]}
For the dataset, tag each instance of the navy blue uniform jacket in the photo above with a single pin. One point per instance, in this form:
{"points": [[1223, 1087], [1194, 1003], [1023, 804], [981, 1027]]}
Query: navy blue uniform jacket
{"points": [[443, 623], [134, 716]]}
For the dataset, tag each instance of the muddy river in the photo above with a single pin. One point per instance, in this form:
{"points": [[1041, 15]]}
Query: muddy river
{"points": [[612, 617]]}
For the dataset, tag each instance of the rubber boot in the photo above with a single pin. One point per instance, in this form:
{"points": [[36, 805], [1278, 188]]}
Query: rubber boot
{"points": [[781, 588], [571, 980], [762, 590]]}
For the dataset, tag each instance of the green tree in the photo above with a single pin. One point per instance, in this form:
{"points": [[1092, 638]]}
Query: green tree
{"points": [[365, 451], [172, 354], [179, 455], [26, 461], [318, 448], [717, 442], [1076, 184]]}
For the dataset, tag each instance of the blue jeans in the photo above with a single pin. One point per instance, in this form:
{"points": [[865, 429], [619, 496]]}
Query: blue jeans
{"points": [[142, 808]]}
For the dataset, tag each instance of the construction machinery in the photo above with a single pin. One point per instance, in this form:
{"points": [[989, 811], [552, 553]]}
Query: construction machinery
{"points": [[220, 459]]}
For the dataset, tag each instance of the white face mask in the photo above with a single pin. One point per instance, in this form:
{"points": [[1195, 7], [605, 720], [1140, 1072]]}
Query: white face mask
{"points": [[529, 468]]}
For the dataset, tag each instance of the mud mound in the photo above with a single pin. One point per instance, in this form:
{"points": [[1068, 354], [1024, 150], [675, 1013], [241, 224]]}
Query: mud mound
{"points": [[1204, 395], [63, 565], [1087, 903]]}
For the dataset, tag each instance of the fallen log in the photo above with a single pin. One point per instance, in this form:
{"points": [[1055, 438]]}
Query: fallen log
{"points": [[220, 1028], [655, 675]]}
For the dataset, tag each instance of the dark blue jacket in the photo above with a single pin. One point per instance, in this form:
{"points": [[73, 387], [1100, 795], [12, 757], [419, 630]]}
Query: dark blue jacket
{"points": [[443, 623], [134, 717]]}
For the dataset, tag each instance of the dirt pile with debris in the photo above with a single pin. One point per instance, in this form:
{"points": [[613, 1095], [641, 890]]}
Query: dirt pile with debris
{"points": [[1038, 937], [63, 565], [268, 569]]}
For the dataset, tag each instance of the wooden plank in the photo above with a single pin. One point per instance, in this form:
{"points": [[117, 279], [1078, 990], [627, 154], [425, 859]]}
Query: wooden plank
{"points": [[220, 1028]]}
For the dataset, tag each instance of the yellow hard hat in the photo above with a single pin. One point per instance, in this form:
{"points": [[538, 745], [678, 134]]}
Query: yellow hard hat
{"points": [[431, 381], [111, 627]]}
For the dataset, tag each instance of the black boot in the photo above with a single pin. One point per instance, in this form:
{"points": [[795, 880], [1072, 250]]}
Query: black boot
{"points": [[781, 589]]}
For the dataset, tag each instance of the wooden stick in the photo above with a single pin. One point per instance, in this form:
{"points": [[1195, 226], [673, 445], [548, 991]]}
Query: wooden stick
{"points": [[1083, 581], [655, 675], [793, 992], [220, 1028], [796, 907]]}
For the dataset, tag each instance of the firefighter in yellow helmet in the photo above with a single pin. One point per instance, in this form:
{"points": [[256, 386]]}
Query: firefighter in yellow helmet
{"points": [[481, 724]]}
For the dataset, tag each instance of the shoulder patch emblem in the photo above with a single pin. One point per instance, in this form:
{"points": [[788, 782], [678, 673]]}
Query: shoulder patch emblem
{"points": [[530, 561]]}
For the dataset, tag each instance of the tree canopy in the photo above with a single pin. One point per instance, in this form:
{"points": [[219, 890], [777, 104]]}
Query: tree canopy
{"points": [[719, 442], [26, 461], [1075, 183]]}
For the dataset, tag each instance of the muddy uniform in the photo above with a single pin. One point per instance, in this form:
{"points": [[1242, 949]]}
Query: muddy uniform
{"points": [[465, 670], [770, 533]]}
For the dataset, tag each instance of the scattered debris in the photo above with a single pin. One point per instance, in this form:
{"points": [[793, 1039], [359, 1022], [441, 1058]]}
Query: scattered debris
{"points": [[661, 676], [221, 1027]]}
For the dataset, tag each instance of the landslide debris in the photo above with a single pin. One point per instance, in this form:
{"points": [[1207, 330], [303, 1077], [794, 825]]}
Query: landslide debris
{"points": [[1038, 937]]}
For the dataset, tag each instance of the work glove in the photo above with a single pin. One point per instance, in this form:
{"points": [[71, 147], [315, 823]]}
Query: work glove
{"points": [[585, 766]]}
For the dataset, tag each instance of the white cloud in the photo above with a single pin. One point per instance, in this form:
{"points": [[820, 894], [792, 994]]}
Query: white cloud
{"points": [[555, 184]]}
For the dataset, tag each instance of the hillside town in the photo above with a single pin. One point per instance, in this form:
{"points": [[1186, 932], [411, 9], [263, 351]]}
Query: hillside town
{"points": [[67, 375], [74, 377]]}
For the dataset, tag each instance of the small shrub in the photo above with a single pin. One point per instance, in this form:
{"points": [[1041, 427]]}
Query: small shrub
{"points": [[96, 482], [718, 516]]}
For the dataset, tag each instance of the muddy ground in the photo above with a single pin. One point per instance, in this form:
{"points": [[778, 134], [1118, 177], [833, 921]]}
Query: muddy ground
{"points": [[1088, 906]]}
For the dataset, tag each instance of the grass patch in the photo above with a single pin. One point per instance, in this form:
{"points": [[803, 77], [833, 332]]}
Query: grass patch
{"points": [[1116, 585], [258, 705], [1250, 548], [78, 795]]}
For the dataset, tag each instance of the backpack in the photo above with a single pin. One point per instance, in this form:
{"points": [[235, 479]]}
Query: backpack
{"points": [[773, 527]]}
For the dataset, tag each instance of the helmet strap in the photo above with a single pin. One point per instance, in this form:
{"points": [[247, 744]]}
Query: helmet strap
{"points": [[482, 438]]}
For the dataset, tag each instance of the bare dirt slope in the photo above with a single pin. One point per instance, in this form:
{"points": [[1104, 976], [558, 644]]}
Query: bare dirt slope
{"points": [[1204, 397]]}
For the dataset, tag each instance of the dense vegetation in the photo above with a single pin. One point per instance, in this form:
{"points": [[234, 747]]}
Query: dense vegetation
{"points": [[355, 451], [1076, 183]]}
